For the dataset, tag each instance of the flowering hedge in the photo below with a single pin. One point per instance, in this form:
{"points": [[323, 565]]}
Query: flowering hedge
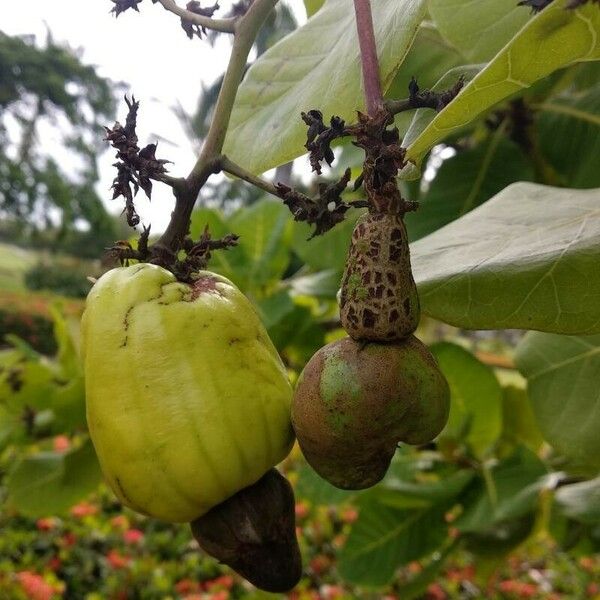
{"points": [[101, 550]]}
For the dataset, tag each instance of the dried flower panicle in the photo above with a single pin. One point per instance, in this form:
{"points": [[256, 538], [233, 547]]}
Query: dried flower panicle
{"points": [[324, 212], [135, 167], [193, 29]]}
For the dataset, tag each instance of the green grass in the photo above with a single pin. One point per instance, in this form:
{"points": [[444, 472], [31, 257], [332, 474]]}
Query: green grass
{"points": [[14, 262]]}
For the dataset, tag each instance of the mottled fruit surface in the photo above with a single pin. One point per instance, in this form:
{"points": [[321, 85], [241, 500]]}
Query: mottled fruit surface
{"points": [[187, 399], [379, 300], [355, 402], [254, 532]]}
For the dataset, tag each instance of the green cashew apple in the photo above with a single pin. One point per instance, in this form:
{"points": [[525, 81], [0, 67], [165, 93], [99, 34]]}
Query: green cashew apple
{"points": [[187, 399], [355, 402]]}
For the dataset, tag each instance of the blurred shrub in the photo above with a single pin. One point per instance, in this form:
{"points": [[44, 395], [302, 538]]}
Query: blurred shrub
{"points": [[65, 278], [28, 316]]}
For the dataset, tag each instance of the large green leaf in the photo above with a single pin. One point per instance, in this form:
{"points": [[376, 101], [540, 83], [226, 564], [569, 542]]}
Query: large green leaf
{"points": [[478, 29], [580, 501], [327, 251], [526, 259], [317, 490], [509, 491], [265, 229], [476, 399], [519, 423], [384, 538], [49, 483], [563, 374], [312, 6], [553, 39], [569, 137], [315, 67], [466, 180]]}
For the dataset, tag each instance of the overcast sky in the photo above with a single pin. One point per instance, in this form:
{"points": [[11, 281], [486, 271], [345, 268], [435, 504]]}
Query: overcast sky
{"points": [[170, 72]]}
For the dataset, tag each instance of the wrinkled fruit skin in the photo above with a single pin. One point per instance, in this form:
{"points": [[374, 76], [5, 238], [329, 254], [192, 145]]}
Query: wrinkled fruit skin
{"points": [[355, 402], [187, 399], [254, 533], [379, 300]]}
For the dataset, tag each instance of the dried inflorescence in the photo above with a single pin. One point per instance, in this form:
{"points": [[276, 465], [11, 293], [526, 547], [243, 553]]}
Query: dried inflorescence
{"points": [[121, 6], [324, 212], [192, 29], [136, 167]]}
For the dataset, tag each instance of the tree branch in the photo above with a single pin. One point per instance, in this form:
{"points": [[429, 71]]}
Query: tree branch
{"points": [[246, 29], [234, 169], [222, 25], [368, 56]]}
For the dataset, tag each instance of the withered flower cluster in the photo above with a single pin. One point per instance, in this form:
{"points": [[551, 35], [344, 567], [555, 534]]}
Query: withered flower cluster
{"points": [[324, 212], [192, 29], [136, 167]]}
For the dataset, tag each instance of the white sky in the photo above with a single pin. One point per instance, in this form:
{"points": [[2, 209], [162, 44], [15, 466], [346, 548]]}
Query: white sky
{"points": [[171, 71]]}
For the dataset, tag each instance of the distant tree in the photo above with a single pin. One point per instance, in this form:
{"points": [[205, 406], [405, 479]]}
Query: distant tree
{"points": [[47, 193]]}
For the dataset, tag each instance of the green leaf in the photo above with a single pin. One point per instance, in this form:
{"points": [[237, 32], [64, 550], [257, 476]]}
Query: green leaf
{"points": [[475, 402], [580, 501], [395, 491], [317, 491], [423, 117], [520, 425], [327, 251], [526, 259], [323, 284], [417, 586], [49, 483], [569, 137], [478, 29], [315, 67], [512, 490], [384, 538], [553, 39], [265, 229], [466, 180], [563, 374], [312, 6]]}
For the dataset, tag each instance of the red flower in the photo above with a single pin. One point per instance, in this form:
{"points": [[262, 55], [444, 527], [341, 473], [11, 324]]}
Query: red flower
{"points": [[46, 524], [61, 443], [68, 539], [320, 563], [120, 522], [117, 560], [34, 586], [436, 592], [518, 588], [133, 536], [84, 509], [301, 510], [187, 586], [225, 581], [592, 590], [349, 515], [54, 563], [332, 592]]}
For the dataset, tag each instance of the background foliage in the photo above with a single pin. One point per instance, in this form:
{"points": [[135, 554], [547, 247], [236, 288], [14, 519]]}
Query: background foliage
{"points": [[507, 237]]}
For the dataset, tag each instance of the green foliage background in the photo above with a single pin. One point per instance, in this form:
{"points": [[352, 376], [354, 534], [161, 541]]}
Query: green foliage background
{"points": [[507, 237]]}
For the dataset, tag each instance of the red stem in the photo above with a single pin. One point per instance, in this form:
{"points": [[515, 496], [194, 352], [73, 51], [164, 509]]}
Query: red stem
{"points": [[368, 56]]}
